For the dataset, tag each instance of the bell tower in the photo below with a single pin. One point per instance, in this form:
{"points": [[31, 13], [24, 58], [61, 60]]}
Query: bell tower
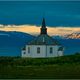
{"points": [[43, 28]]}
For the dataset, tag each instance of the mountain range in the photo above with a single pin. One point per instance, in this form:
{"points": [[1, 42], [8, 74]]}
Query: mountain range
{"points": [[74, 35], [11, 42]]}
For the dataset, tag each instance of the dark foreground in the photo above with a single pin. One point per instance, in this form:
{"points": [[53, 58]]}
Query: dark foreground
{"points": [[67, 67]]}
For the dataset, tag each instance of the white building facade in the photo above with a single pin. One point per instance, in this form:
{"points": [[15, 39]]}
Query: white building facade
{"points": [[43, 46]]}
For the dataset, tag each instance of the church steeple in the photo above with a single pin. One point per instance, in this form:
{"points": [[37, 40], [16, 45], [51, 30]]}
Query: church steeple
{"points": [[43, 28]]}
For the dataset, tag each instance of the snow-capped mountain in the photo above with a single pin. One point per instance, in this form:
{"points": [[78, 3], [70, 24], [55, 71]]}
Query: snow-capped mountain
{"points": [[75, 35]]}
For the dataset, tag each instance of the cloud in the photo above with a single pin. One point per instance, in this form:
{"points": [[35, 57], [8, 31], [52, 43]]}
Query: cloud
{"points": [[68, 30], [35, 30]]}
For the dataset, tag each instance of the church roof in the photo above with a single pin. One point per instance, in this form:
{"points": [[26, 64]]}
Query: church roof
{"points": [[43, 39]]}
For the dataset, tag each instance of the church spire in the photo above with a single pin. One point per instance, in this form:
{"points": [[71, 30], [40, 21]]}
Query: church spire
{"points": [[43, 28]]}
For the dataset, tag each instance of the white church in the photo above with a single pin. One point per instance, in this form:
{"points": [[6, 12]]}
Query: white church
{"points": [[42, 46]]}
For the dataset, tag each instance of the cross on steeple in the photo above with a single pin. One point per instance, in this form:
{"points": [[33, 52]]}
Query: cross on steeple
{"points": [[43, 28]]}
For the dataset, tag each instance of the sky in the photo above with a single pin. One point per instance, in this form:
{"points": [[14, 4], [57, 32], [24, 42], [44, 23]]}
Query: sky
{"points": [[39, 0], [61, 16]]}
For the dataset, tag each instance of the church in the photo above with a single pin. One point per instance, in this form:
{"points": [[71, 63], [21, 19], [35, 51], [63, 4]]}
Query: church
{"points": [[43, 46]]}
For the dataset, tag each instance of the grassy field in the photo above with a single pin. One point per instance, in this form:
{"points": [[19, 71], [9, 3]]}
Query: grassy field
{"points": [[67, 67]]}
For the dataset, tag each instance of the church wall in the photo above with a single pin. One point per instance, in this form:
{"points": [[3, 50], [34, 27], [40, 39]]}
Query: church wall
{"points": [[25, 52], [28, 54], [60, 53], [42, 51], [55, 51]]}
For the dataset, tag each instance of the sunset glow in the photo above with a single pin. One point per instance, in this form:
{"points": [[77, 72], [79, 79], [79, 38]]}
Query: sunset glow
{"points": [[34, 30]]}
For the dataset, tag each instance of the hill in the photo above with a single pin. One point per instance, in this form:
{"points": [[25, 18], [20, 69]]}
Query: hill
{"points": [[11, 42], [13, 38], [66, 67]]}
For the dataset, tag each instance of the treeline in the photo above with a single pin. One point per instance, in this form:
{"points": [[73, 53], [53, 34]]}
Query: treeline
{"points": [[18, 61]]}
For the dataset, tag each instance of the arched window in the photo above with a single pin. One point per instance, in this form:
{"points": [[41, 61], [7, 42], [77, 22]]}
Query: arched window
{"points": [[28, 49], [38, 49], [51, 50]]}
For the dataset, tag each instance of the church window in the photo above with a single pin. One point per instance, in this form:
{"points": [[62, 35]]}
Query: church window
{"points": [[24, 53], [51, 50], [28, 49], [38, 50]]}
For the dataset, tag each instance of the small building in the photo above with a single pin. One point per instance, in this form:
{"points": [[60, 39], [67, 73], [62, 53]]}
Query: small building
{"points": [[42, 46]]}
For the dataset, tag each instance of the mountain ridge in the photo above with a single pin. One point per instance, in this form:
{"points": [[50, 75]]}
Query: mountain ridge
{"points": [[11, 43], [74, 35]]}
